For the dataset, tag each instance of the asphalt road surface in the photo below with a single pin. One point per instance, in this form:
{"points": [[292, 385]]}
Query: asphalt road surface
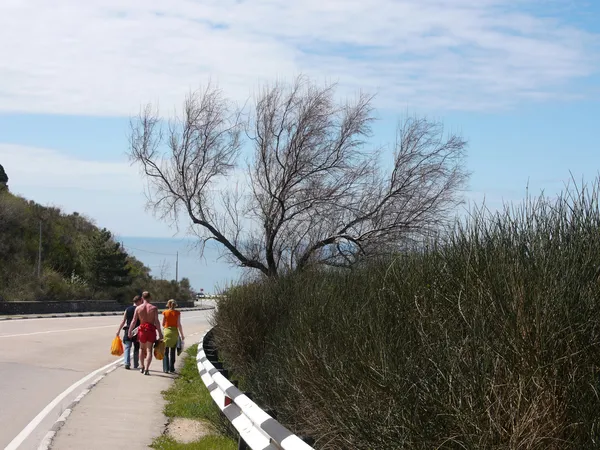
{"points": [[41, 358]]}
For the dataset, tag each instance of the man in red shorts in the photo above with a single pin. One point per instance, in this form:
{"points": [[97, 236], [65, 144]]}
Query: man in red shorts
{"points": [[147, 313]]}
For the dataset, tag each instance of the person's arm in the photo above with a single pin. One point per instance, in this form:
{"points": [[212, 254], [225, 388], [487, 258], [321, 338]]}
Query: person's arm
{"points": [[135, 316], [180, 327], [158, 327], [122, 323], [164, 319]]}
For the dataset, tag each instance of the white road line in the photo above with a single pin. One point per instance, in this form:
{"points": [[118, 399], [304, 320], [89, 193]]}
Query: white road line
{"points": [[74, 315], [31, 426], [192, 317], [46, 443], [76, 329], [55, 331], [37, 319]]}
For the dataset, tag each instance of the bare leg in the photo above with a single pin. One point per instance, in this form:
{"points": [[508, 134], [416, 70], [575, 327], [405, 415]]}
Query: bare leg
{"points": [[142, 356], [148, 347]]}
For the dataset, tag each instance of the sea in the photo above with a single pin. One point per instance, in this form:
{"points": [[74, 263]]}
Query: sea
{"points": [[208, 273]]}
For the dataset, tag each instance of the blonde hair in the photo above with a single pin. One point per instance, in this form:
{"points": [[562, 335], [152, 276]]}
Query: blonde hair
{"points": [[171, 304]]}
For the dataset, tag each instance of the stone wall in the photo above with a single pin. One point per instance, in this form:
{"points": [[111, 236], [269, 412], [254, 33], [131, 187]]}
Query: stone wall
{"points": [[12, 308]]}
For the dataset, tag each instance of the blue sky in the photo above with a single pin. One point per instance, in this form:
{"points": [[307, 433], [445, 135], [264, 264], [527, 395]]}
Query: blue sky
{"points": [[519, 78]]}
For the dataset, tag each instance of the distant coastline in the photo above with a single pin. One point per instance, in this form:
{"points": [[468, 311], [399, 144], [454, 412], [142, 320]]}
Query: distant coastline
{"points": [[159, 254]]}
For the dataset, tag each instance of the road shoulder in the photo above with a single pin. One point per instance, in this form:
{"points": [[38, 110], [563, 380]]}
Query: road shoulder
{"points": [[196, 422], [123, 411], [87, 314]]}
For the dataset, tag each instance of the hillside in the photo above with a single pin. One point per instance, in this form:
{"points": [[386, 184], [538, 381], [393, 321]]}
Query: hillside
{"points": [[79, 260]]}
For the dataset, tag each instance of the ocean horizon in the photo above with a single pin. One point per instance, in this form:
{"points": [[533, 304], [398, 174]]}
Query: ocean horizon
{"points": [[208, 272]]}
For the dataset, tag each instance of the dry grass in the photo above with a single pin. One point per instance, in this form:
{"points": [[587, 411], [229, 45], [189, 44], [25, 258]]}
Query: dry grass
{"points": [[485, 340]]}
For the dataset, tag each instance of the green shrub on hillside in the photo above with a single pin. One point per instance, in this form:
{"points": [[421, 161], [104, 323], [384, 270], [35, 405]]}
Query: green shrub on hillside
{"points": [[105, 262], [487, 340], [79, 261]]}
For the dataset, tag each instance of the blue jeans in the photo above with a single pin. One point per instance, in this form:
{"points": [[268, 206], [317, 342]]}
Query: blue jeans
{"points": [[169, 359], [136, 353]]}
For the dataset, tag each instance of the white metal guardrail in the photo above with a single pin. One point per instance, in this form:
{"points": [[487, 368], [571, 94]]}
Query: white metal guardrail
{"points": [[258, 429]]}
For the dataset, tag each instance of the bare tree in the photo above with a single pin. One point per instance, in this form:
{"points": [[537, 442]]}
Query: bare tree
{"points": [[164, 269], [315, 192]]}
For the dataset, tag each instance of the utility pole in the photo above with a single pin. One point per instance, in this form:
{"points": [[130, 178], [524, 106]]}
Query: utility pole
{"points": [[177, 268], [39, 268]]}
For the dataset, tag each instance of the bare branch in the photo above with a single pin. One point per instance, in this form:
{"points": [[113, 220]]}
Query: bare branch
{"points": [[421, 191], [316, 191], [201, 147]]}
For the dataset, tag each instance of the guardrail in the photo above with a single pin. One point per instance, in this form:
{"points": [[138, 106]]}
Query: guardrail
{"points": [[257, 429]]}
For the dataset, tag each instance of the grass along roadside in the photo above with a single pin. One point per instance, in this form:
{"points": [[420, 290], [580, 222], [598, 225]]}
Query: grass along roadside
{"points": [[206, 443], [487, 338], [188, 400]]}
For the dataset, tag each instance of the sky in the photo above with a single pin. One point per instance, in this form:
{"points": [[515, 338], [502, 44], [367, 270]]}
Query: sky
{"points": [[519, 79]]}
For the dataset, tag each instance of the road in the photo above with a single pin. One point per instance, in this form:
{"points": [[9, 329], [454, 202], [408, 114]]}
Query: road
{"points": [[41, 358]]}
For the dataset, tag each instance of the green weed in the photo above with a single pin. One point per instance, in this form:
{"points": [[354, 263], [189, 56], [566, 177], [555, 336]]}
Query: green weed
{"points": [[189, 398], [487, 338], [206, 443]]}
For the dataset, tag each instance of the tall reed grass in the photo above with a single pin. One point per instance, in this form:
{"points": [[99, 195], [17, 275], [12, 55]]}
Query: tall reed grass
{"points": [[488, 339]]}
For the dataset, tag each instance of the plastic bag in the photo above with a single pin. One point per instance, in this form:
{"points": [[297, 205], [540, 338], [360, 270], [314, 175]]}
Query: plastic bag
{"points": [[116, 347], [159, 350]]}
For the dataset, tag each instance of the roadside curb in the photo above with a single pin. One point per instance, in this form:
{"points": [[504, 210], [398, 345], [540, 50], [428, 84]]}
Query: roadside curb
{"points": [[91, 314], [46, 443]]}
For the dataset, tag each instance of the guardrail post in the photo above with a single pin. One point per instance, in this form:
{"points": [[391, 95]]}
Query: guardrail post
{"points": [[229, 389], [242, 444], [309, 440], [211, 355]]}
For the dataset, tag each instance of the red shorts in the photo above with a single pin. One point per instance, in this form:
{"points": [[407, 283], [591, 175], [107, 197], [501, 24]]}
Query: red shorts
{"points": [[146, 333]]}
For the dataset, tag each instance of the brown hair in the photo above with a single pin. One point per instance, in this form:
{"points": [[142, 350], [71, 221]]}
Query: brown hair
{"points": [[146, 295], [136, 299]]}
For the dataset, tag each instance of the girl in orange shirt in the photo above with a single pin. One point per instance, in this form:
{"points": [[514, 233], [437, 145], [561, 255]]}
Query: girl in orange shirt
{"points": [[172, 331]]}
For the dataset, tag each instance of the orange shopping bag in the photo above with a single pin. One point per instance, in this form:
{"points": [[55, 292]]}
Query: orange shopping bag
{"points": [[159, 350], [116, 348]]}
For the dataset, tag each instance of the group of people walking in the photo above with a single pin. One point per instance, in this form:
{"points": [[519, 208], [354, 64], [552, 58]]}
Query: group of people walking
{"points": [[143, 334]]}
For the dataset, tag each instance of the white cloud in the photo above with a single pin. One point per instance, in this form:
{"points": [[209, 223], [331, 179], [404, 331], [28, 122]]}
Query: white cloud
{"points": [[46, 168], [111, 193], [107, 57]]}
